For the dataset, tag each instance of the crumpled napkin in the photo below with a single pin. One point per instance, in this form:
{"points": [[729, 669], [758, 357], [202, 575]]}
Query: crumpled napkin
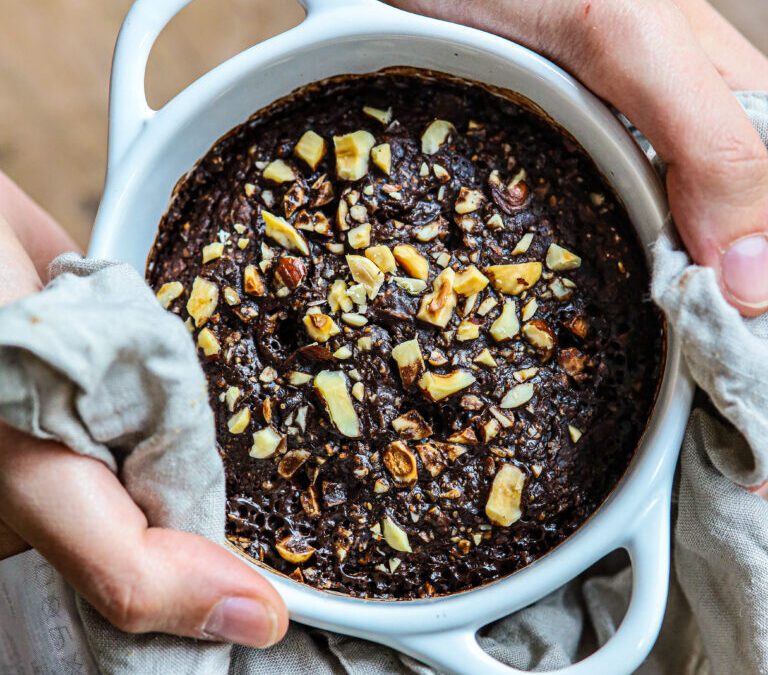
{"points": [[106, 370]]}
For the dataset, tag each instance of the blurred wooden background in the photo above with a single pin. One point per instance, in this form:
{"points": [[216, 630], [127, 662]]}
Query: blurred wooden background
{"points": [[54, 72]]}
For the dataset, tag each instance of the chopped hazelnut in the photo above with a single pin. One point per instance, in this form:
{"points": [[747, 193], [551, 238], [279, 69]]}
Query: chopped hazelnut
{"points": [[467, 330], [202, 300], [338, 298], [297, 378], [291, 462], [410, 286], [575, 433], [401, 463], [410, 361], [212, 251], [383, 116], [231, 296], [514, 279], [437, 387], [435, 135], [382, 157], [503, 506], [332, 388], [290, 271], [365, 272], [231, 397], [485, 358], [468, 201], [252, 281], [354, 320], [411, 426], [169, 292], [470, 281], [207, 341], [560, 259], [310, 148], [506, 325], [437, 307], [279, 172], [524, 244], [294, 550], [239, 422], [360, 236], [352, 151], [382, 257], [540, 336], [320, 327], [281, 231], [395, 536], [518, 395], [409, 258], [266, 441], [529, 309]]}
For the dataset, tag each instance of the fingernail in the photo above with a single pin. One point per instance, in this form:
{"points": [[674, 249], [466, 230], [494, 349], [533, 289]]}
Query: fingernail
{"points": [[744, 269], [243, 621]]}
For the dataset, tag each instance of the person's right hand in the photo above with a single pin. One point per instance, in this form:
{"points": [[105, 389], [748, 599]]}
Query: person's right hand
{"points": [[75, 512], [670, 67]]}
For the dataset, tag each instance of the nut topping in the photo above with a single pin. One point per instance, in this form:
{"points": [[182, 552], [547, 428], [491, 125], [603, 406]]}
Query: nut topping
{"points": [[294, 550], [382, 257], [207, 341], [514, 279], [383, 116], [411, 426], [540, 337], [239, 422], [437, 387], [518, 395], [503, 506], [291, 462], [266, 441], [167, 293], [507, 325], [468, 201], [560, 259], [290, 271], [281, 231], [382, 157], [352, 151], [332, 388], [320, 327], [279, 172], [365, 272], [252, 281], [395, 536], [435, 135], [437, 307], [202, 300], [310, 148], [470, 281], [409, 361], [409, 258], [401, 463]]}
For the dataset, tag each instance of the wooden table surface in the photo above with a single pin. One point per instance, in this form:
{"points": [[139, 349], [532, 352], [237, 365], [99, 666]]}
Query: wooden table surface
{"points": [[54, 69]]}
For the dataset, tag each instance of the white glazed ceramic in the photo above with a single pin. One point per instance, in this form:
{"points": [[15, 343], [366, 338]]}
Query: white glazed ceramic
{"points": [[149, 150]]}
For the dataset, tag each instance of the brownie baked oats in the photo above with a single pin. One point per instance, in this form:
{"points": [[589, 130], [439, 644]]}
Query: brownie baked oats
{"points": [[424, 321]]}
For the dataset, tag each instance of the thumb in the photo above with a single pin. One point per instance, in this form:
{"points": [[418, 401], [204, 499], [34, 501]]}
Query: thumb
{"points": [[75, 512]]}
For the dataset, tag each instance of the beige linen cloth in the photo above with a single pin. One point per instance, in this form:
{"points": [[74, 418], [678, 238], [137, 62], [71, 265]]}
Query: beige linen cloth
{"points": [[95, 362]]}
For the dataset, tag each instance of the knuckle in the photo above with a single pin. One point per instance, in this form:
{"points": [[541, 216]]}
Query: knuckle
{"points": [[125, 601]]}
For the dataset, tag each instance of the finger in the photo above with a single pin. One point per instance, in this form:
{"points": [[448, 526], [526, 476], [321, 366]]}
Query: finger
{"points": [[18, 276], [737, 60], [75, 512], [645, 60], [10, 542], [39, 234]]}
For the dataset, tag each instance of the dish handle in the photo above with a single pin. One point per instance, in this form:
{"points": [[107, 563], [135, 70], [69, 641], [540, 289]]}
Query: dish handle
{"points": [[129, 111], [459, 652]]}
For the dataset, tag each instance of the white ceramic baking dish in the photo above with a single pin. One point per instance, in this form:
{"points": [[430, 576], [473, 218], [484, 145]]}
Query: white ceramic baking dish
{"points": [[149, 150]]}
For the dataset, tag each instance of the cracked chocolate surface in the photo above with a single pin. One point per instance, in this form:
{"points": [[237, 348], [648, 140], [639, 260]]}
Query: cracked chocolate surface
{"points": [[315, 508]]}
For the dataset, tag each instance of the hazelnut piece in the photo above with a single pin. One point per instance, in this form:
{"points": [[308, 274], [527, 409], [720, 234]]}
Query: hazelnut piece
{"points": [[435, 135], [412, 426], [518, 395], [507, 325], [279, 172], [294, 550], [503, 505], [382, 157], [395, 536], [202, 300], [291, 462], [470, 281], [281, 231], [409, 361], [320, 327], [207, 341], [383, 116], [560, 259], [437, 307], [352, 151], [332, 388], [310, 148], [437, 387], [167, 293], [382, 257], [266, 441], [401, 463], [514, 279], [409, 258], [365, 272], [252, 281]]}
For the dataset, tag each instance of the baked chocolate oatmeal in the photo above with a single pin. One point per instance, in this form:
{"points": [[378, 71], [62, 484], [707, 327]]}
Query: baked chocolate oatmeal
{"points": [[424, 321]]}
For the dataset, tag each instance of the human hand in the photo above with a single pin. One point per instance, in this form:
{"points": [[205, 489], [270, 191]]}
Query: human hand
{"points": [[75, 512], [670, 68]]}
